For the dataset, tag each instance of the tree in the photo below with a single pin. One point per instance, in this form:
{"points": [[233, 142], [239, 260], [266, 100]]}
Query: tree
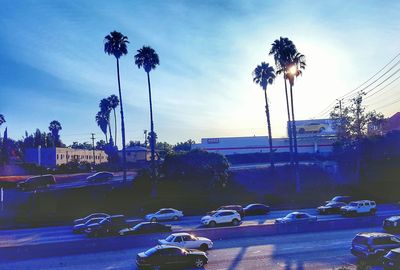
{"points": [[116, 44], [105, 109], [100, 145], [263, 75], [102, 121], [281, 49], [55, 128], [147, 58], [184, 146], [2, 119], [113, 103]]}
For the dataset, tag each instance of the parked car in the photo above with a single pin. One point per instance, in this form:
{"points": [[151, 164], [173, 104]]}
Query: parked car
{"points": [[237, 208], [343, 199], [165, 214], [186, 240], [94, 215], [256, 209], [100, 177], [311, 128], [222, 217], [391, 261], [171, 257], [331, 208], [110, 225], [359, 208], [373, 246], [296, 217], [392, 224], [36, 182], [146, 227], [81, 227]]}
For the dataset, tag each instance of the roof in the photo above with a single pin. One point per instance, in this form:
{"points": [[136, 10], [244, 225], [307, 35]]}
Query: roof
{"points": [[374, 234], [180, 234], [168, 209]]}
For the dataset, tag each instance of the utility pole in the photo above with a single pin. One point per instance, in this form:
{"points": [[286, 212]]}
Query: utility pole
{"points": [[340, 117], [145, 137], [94, 154]]}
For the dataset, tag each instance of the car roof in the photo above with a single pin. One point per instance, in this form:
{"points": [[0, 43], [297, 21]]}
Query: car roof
{"points": [[362, 201], [374, 234], [180, 234], [231, 205], [396, 250], [296, 213], [224, 211], [167, 209], [166, 246]]}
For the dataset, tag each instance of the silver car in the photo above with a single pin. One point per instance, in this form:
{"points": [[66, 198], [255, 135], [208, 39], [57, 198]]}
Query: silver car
{"points": [[296, 217], [165, 214]]}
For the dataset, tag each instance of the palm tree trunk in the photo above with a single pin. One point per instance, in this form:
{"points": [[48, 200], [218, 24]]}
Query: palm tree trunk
{"points": [[109, 130], [289, 125], [122, 124], [295, 142], [106, 137], [115, 127], [152, 137], [271, 151]]}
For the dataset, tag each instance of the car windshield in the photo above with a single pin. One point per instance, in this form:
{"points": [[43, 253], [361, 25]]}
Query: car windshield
{"points": [[170, 238], [393, 255], [150, 252], [290, 216], [93, 220], [137, 226]]}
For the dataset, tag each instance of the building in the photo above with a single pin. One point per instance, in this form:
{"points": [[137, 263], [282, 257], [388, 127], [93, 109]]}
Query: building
{"points": [[136, 154], [260, 144], [390, 124], [52, 157]]}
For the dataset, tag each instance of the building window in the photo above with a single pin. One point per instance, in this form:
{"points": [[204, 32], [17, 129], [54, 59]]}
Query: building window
{"points": [[57, 156]]}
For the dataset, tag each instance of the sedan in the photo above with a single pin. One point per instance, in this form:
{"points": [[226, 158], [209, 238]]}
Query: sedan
{"points": [[165, 214], [100, 177], [392, 224], [146, 227], [186, 240], [330, 208], [171, 257], [256, 209], [296, 217], [81, 227], [94, 215]]}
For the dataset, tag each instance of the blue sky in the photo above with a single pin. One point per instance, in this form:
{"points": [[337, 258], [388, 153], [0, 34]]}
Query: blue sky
{"points": [[52, 63]]}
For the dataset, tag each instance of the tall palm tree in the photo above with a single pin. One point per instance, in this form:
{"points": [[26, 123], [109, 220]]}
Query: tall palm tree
{"points": [[263, 75], [116, 44], [296, 65], [102, 122], [55, 128], [2, 119], [281, 49], [105, 108], [114, 102], [147, 58]]}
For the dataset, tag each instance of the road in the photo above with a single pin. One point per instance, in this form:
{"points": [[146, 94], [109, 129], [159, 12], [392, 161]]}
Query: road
{"points": [[323, 250], [57, 234]]}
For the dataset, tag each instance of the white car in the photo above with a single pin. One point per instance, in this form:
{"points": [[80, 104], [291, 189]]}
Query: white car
{"points": [[359, 207], [165, 214], [221, 217], [186, 240]]}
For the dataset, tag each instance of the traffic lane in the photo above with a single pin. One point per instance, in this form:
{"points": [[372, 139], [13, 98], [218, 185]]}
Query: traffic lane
{"points": [[59, 234], [326, 250]]}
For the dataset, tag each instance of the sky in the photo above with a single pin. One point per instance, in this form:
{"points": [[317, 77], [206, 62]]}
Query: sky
{"points": [[53, 65]]}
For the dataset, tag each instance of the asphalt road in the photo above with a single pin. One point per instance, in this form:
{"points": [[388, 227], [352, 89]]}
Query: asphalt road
{"points": [[323, 250], [59, 234]]}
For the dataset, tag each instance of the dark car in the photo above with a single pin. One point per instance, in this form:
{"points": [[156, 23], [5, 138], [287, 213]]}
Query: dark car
{"points": [[107, 226], [146, 227], [100, 177], [171, 257], [373, 246], [391, 261], [256, 209], [81, 227], [94, 215], [331, 208], [237, 208], [343, 199], [36, 182], [392, 224]]}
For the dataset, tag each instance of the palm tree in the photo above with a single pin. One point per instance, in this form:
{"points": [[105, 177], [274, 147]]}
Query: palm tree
{"points": [[55, 128], [114, 102], [296, 65], [102, 121], [2, 119], [281, 49], [263, 75], [105, 108], [147, 58], [116, 44]]}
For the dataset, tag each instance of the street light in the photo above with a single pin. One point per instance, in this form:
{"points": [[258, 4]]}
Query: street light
{"points": [[293, 70]]}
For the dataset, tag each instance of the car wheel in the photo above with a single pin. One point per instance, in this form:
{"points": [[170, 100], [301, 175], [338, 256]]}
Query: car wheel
{"points": [[175, 218], [235, 222], [199, 262], [321, 130], [153, 219], [203, 247], [212, 224]]}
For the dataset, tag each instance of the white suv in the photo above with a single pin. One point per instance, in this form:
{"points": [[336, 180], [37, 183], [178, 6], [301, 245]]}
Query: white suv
{"points": [[359, 207], [221, 217]]}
